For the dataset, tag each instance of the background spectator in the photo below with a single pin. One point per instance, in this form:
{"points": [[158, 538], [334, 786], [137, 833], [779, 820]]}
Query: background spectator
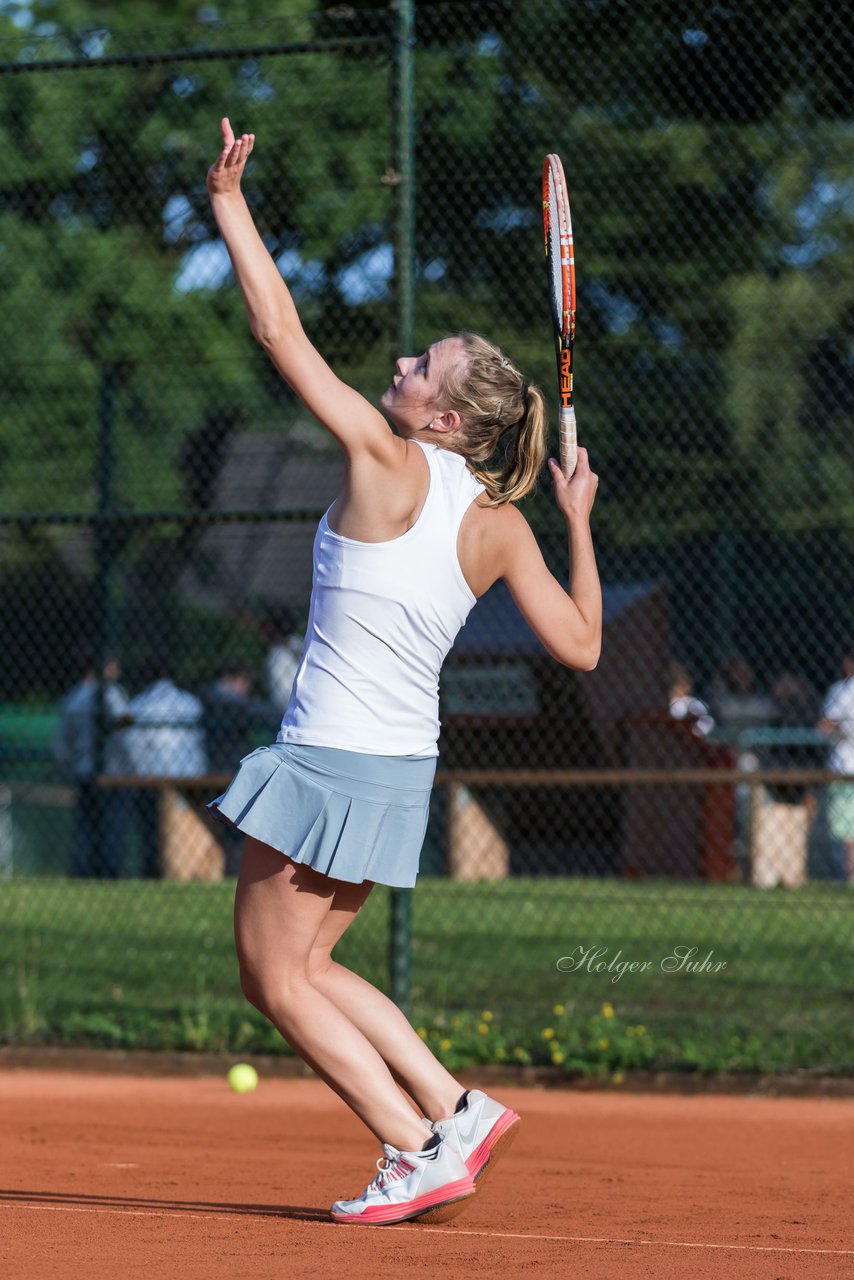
{"points": [[233, 716], [736, 702], [99, 813], [165, 741], [284, 655], [795, 707], [837, 720], [794, 700], [684, 705], [279, 628]]}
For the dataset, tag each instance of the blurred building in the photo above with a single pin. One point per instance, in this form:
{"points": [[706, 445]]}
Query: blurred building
{"points": [[272, 560], [507, 705]]}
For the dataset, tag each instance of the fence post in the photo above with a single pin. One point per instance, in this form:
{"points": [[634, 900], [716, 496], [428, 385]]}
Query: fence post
{"points": [[104, 552], [400, 923], [7, 836], [404, 167]]}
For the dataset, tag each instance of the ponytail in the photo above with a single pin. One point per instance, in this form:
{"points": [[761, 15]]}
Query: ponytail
{"points": [[524, 457], [500, 412]]}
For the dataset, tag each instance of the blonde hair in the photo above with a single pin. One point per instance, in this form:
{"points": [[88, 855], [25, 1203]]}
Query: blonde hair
{"points": [[492, 398]]}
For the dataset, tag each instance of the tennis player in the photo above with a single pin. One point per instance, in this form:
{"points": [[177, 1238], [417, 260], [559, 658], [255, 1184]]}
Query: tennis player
{"points": [[420, 530]]}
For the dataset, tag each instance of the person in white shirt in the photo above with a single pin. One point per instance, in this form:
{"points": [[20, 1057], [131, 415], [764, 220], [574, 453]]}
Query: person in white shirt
{"points": [[423, 526], [281, 664], [166, 740], [837, 720]]}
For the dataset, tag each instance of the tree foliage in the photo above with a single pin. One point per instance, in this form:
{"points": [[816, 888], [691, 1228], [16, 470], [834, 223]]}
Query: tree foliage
{"points": [[707, 153]]}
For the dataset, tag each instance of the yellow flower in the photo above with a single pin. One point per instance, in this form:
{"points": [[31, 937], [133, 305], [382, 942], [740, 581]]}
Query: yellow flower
{"points": [[456, 1022], [444, 1045], [557, 1058], [422, 1032], [607, 1010], [499, 1053], [617, 1077], [548, 1033], [602, 1044], [521, 1054], [486, 1015], [483, 1028], [641, 1031], [559, 1009]]}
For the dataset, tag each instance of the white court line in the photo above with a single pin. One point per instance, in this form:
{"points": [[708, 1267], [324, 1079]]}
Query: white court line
{"points": [[129, 1213], [672, 1244], [453, 1231]]}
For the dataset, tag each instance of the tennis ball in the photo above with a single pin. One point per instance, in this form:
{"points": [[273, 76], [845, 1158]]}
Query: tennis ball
{"points": [[242, 1077]]}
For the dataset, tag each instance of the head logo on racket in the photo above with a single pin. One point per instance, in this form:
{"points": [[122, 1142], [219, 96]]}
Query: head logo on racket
{"points": [[560, 263]]}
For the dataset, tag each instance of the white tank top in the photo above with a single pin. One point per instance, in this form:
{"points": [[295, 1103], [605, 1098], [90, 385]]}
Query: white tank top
{"points": [[383, 617]]}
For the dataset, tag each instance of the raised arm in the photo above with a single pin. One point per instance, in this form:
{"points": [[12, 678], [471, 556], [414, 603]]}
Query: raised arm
{"points": [[568, 623], [356, 424]]}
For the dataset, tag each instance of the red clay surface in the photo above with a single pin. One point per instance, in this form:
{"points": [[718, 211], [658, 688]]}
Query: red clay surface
{"points": [[106, 1176]]}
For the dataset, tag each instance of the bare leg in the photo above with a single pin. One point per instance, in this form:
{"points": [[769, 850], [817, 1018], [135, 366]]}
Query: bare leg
{"points": [[280, 907], [411, 1063]]}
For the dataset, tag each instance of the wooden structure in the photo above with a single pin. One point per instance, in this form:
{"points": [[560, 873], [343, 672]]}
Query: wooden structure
{"points": [[678, 830], [508, 706]]}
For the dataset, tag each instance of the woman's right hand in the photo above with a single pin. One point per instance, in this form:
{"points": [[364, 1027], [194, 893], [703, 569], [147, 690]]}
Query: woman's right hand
{"points": [[225, 173], [575, 497]]}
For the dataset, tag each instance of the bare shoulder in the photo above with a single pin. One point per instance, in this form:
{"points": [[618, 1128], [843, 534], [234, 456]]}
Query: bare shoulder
{"points": [[383, 492], [490, 543], [504, 528], [390, 460], [395, 464]]}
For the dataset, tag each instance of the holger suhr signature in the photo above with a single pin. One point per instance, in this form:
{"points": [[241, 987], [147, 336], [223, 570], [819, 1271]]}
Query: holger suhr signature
{"points": [[594, 959]]}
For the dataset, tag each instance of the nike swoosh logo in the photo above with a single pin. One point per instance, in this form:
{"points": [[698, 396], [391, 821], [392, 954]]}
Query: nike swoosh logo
{"points": [[467, 1139]]}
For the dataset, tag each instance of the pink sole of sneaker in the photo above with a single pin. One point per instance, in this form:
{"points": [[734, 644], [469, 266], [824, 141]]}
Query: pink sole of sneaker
{"points": [[440, 1205], [482, 1159]]}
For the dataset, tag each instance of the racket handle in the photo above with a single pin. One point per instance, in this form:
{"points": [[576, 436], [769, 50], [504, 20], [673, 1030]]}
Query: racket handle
{"points": [[568, 441]]}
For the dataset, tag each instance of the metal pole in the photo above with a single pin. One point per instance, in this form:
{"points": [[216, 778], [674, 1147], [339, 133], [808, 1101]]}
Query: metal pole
{"points": [[400, 923], [400, 950], [104, 552], [404, 167]]}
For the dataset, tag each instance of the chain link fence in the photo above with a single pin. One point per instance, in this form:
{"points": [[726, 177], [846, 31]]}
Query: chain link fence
{"points": [[647, 864]]}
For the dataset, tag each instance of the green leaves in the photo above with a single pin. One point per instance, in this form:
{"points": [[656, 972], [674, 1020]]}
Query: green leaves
{"points": [[708, 164]]}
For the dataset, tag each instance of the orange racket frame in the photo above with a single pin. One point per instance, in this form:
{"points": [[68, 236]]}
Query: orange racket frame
{"points": [[560, 258]]}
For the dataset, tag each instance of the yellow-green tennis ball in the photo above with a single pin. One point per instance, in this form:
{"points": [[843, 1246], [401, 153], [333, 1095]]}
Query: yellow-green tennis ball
{"points": [[242, 1077]]}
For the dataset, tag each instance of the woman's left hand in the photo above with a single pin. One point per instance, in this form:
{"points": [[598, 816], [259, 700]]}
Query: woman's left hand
{"points": [[575, 496], [225, 173]]}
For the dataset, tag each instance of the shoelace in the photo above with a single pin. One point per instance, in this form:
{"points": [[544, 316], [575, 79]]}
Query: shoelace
{"points": [[391, 1166]]}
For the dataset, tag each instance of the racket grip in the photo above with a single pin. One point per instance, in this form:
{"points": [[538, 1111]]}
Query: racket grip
{"points": [[568, 441]]}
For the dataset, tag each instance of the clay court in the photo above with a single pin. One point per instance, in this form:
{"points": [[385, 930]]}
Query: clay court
{"points": [[107, 1175]]}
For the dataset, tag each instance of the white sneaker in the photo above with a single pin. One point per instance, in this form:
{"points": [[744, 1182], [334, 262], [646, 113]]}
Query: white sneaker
{"points": [[479, 1132], [428, 1185]]}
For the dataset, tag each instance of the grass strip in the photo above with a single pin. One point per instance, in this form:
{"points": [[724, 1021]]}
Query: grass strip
{"points": [[591, 976]]}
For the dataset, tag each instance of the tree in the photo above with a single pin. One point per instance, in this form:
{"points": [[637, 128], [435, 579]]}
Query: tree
{"points": [[706, 150], [111, 245]]}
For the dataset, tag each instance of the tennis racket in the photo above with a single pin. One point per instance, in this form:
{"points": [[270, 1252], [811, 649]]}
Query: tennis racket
{"points": [[560, 262]]}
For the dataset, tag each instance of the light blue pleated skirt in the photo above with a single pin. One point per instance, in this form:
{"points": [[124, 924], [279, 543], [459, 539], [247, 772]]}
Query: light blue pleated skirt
{"points": [[348, 815]]}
